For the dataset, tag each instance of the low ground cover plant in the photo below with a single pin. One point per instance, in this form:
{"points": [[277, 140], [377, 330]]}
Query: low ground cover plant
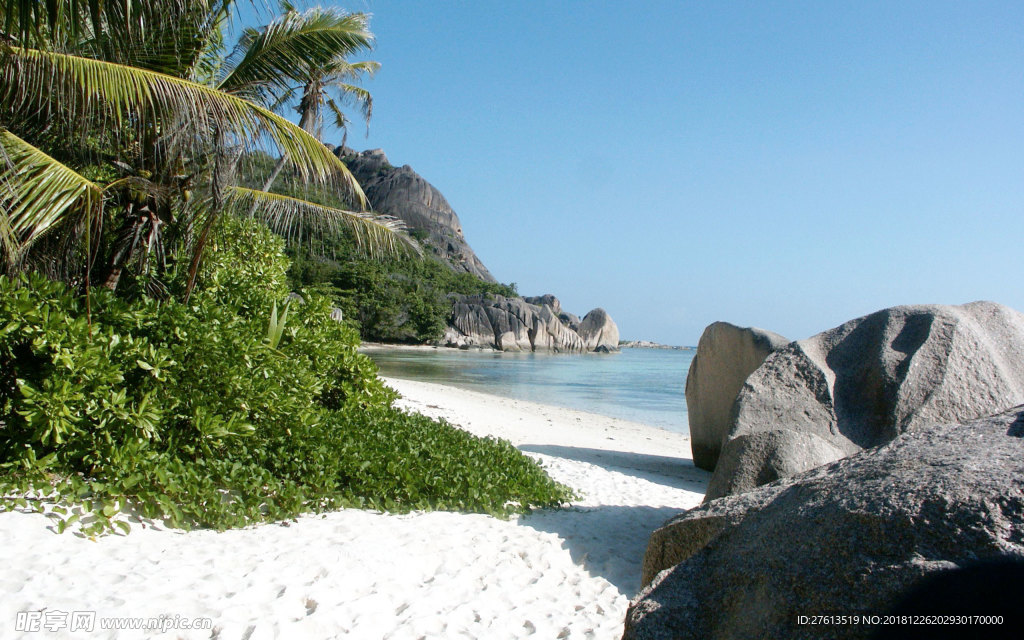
{"points": [[222, 412]]}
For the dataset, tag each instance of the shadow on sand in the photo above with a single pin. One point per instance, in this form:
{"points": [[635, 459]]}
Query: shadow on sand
{"points": [[610, 540], [607, 541], [678, 473]]}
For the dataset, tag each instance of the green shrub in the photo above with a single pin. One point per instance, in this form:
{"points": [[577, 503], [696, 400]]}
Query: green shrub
{"points": [[187, 411], [244, 266]]}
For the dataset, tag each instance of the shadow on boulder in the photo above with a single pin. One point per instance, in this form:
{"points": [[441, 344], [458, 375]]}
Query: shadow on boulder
{"points": [[981, 592], [849, 537], [865, 382]]}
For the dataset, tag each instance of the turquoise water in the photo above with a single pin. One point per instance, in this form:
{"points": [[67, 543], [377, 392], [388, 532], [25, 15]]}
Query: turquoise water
{"points": [[642, 385]]}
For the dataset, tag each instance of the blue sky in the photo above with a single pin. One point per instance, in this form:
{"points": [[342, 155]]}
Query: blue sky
{"points": [[788, 165]]}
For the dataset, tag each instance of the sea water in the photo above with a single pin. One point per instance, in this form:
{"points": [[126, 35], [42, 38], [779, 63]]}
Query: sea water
{"points": [[642, 385]]}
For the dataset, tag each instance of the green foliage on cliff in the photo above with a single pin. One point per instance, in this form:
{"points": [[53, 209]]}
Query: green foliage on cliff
{"points": [[207, 414], [400, 299], [389, 301]]}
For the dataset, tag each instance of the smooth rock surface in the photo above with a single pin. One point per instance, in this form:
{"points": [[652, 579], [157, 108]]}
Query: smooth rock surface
{"points": [[726, 355], [753, 459], [599, 332], [849, 537], [865, 382]]}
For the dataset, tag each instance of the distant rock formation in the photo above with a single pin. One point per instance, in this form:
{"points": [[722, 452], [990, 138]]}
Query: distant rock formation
{"points": [[866, 382], [402, 193], [726, 355], [647, 344], [526, 324], [850, 537], [599, 331]]}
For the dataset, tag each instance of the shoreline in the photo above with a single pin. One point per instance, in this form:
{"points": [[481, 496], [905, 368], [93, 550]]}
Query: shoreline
{"points": [[571, 382], [523, 420], [552, 573]]}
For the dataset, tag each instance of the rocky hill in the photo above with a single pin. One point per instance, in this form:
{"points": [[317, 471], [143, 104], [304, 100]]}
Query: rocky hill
{"points": [[404, 194], [488, 321]]}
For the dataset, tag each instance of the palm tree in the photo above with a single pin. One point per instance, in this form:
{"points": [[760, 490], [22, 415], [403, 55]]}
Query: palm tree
{"points": [[115, 111], [318, 82]]}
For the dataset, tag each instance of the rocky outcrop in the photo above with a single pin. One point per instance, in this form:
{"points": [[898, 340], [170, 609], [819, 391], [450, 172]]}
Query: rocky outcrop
{"points": [[848, 537], [402, 193], [599, 332], [726, 355], [516, 324], [864, 383]]}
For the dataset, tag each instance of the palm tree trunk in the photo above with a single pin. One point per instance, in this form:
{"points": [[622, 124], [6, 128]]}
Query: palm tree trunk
{"points": [[307, 121], [273, 174], [122, 251]]}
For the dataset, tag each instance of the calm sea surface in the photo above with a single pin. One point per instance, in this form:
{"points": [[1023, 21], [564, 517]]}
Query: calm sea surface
{"points": [[642, 385]]}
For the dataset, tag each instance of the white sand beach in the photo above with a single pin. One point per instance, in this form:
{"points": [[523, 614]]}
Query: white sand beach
{"points": [[360, 574]]}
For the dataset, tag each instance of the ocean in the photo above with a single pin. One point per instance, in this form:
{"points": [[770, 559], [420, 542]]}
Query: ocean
{"points": [[642, 385]]}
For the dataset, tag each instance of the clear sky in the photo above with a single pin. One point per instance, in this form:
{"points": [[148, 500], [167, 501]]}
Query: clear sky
{"points": [[787, 165]]}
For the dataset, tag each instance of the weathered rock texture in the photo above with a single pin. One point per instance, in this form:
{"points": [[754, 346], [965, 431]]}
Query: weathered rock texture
{"points": [[514, 324], [726, 355], [402, 193], [848, 537], [863, 383], [599, 332], [753, 459]]}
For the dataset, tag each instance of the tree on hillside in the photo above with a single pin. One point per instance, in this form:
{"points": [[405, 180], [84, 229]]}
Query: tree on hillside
{"points": [[121, 124]]}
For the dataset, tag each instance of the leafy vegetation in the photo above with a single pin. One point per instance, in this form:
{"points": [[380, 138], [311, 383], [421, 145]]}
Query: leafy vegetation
{"points": [[122, 128], [188, 386], [402, 301], [188, 413]]}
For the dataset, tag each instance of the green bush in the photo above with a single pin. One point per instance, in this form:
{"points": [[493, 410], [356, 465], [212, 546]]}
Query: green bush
{"points": [[188, 413], [245, 266]]}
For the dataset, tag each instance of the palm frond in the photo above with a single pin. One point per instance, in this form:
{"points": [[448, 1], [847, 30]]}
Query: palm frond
{"points": [[294, 219], [340, 119], [32, 81], [270, 59], [37, 193], [350, 93], [162, 36]]}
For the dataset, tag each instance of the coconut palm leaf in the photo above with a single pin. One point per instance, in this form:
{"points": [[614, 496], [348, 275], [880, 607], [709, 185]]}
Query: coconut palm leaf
{"points": [[37, 193], [268, 60], [294, 218], [161, 36], [34, 81], [350, 93]]}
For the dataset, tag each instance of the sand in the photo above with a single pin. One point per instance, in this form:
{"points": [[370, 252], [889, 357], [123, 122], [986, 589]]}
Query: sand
{"points": [[361, 574]]}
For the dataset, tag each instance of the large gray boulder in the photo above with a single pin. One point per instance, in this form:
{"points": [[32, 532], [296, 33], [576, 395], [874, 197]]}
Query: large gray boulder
{"points": [[753, 459], [599, 332], [514, 324], [404, 194], [845, 538], [863, 383], [726, 355]]}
